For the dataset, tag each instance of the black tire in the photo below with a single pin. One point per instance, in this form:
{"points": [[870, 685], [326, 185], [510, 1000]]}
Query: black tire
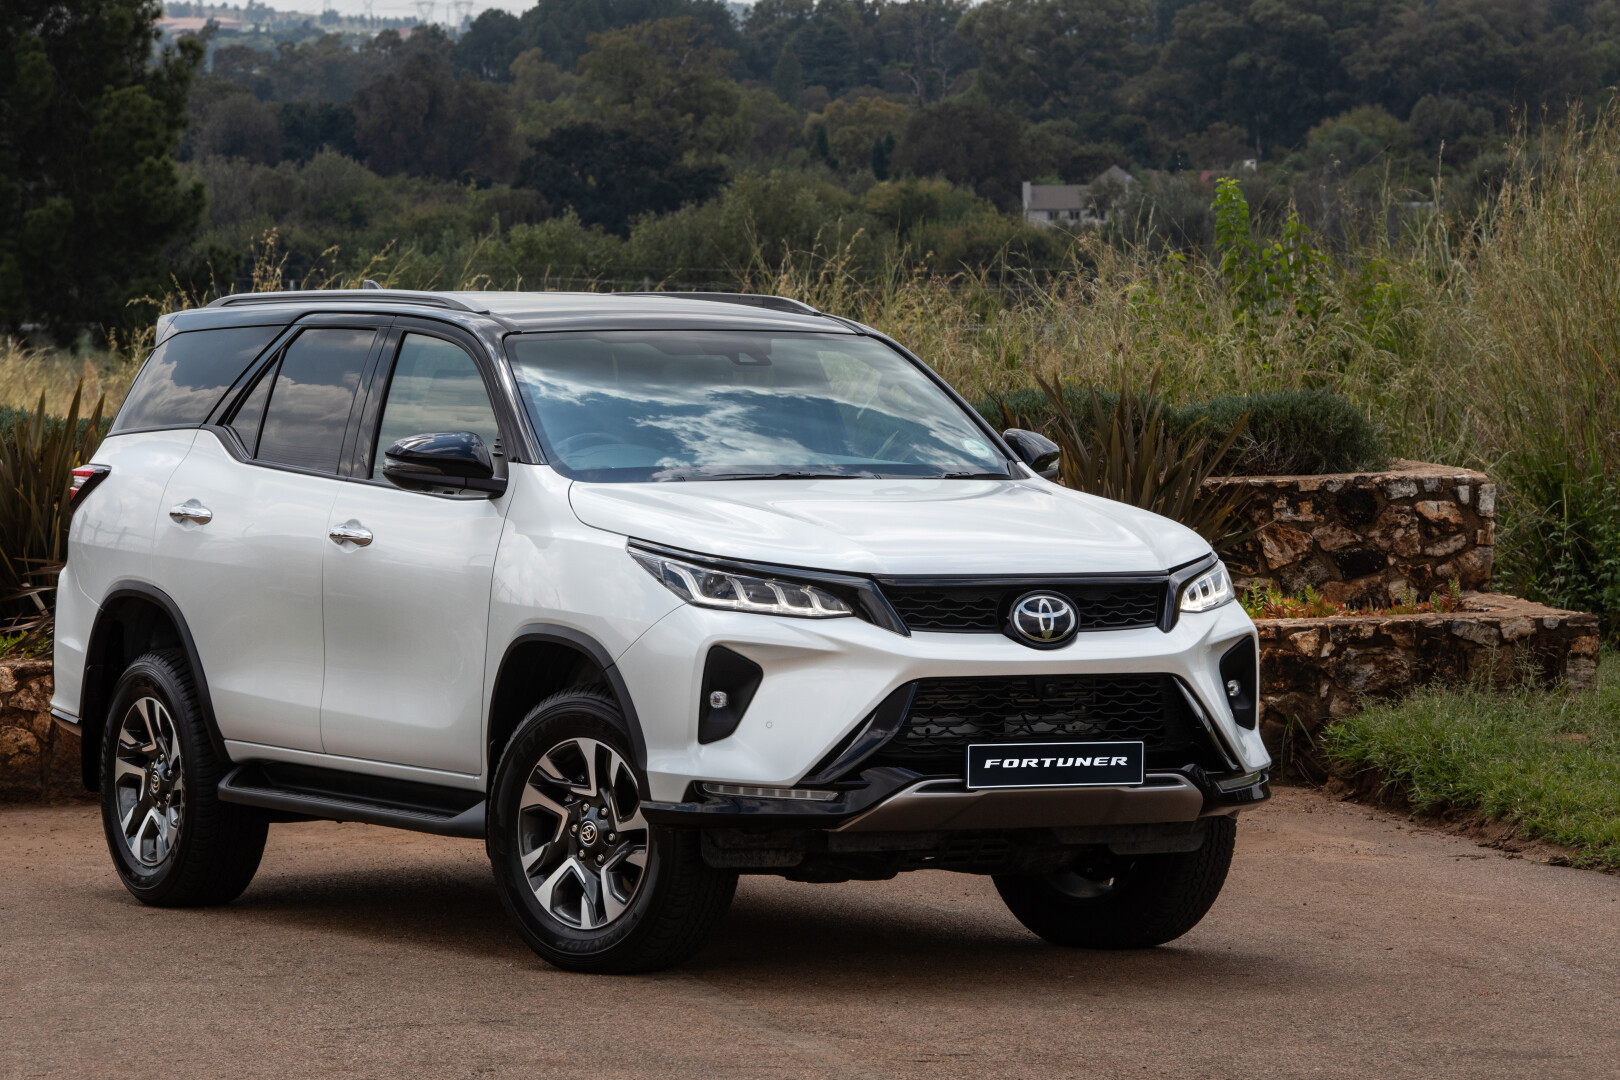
{"points": [[1135, 901], [665, 911], [214, 849]]}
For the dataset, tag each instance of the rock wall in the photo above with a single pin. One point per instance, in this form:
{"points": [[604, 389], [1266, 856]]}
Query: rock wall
{"points": [[38, 760], [1362, 538], [1313, 671]]}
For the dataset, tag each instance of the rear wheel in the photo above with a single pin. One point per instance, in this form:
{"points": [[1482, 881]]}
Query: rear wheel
{"points": [[1111, 901], [174, 843], [591, 885]]}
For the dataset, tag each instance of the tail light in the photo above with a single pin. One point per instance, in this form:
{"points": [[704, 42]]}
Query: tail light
{"points": [[84, 478]]}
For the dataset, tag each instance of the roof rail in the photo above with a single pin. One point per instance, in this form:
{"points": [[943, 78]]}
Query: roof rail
{"points": [[770, 303], [372, 295]]}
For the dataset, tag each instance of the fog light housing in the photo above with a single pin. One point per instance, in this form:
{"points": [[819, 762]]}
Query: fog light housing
{"points": [[1240, 671], [729, 682]]}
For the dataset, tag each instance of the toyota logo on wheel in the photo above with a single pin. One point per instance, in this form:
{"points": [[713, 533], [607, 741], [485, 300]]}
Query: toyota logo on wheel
{"points": [[1043, 619]]}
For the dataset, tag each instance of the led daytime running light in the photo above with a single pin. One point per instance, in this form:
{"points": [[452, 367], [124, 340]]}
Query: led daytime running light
{"points": [[1208, 590], [728, 590]]}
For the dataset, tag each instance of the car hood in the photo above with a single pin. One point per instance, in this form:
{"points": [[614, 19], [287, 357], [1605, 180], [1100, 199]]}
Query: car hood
{"points": [[894, 526]]}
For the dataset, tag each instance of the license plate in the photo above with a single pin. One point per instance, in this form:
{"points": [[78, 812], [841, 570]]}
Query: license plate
{"points": [[1064, 764]]}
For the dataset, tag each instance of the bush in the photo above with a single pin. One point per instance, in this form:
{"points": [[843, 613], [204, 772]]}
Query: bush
{"points": [[1289, 432], [37, 455]]}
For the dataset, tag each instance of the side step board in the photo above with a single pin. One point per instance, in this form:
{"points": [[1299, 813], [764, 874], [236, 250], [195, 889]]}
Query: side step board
{"points": [[328, 794]]}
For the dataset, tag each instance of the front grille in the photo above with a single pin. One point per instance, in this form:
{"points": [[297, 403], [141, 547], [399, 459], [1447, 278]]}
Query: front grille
{"points": [[948, 714], [982, 609]]}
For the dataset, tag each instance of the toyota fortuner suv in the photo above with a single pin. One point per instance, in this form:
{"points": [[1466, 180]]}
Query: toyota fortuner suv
{"points": [[645, 592]]}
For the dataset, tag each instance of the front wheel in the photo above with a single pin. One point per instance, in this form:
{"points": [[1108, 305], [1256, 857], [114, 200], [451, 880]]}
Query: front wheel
{"points": [[591, 885], [1110, 901]]}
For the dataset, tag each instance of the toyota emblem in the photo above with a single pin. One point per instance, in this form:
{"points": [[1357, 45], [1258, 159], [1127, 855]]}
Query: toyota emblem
{"points": [[1044, 620]]}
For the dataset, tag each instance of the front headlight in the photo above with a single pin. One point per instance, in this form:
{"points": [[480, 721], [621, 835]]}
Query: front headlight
{"points": [[1208, 590], [732, 590]]}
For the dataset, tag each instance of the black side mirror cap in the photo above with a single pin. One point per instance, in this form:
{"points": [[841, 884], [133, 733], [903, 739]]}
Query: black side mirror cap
{"points": [[1035, 450], [442, 459]]}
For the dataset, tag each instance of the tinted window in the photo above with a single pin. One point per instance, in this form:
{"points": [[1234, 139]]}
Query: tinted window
{"points": [[310, 401], [435, 387], [684, 405], [250, 412], [186, 376]]}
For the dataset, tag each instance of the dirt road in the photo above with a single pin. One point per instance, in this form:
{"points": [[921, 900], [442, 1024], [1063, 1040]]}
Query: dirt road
{"points": [[1347, 944]]}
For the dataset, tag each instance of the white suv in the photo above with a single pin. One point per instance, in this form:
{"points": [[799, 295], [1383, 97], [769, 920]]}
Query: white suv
{"points": [[645, 591]]}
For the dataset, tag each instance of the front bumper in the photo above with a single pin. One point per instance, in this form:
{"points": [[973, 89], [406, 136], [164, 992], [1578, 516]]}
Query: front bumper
{"points": [[823, 678], [897, 800]]}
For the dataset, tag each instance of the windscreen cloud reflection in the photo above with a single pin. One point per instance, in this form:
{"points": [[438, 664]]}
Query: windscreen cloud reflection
{"points": [[684, 405]]}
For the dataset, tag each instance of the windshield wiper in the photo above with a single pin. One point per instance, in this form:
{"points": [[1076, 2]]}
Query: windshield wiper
{"points": [[970, 476], [789, 475]]}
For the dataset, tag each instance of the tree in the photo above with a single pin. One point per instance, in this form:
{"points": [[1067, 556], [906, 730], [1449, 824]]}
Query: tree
{"points": [[90, 198], [667, 80], [787, 78], [1053, 58], [920, 36], [610, 177], [490, 45], [854, 124], [424, 121], [968, 142], [563, 28]]}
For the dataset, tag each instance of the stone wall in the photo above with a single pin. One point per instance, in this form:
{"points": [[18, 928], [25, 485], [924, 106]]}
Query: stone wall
{"points": [[1313, 671], [38, 760], [1361, 538]]}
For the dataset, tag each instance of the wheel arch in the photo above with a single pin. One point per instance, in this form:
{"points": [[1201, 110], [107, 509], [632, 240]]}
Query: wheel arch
{"points": [[134, 617], [543, 659]]}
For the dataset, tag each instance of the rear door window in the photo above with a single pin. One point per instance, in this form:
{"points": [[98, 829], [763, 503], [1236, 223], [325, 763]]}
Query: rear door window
{"points": [[186, 376], [311, 398]]}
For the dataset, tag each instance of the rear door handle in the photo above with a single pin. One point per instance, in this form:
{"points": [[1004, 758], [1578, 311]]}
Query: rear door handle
{"points": [[191, 510], [351, 532]]}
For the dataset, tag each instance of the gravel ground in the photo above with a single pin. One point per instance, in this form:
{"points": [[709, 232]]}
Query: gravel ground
{"points": [[1348, 943]]}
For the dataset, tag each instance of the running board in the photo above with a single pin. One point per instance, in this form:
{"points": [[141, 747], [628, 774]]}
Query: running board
{"points": [[331, 795]]}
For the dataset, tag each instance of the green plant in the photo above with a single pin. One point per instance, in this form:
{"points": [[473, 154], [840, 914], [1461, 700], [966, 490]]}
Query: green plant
{"points": [[1132, 455], [1545, 759], [36, 462]]}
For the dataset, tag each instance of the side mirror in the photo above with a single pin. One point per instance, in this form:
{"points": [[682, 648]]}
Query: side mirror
{"points": [[1037, 451], [442, 459]]}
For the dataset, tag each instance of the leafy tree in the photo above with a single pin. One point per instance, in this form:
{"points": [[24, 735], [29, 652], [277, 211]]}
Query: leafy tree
{"points": [[90, 197], [563, 28], [1059, 57], [787, 78], [968, 142], [853, 125], [308, 129], [920, 39], [422, 120], [609, 177], [667, 80], [490, 44]]}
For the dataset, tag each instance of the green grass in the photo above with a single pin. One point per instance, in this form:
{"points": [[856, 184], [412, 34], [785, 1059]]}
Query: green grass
{"points": [[1546, 760]]}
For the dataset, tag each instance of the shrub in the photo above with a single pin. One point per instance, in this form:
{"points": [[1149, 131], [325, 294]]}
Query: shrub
{"points": [[1129, 453], [37, 456], [1288, 432], [1291, 432]]}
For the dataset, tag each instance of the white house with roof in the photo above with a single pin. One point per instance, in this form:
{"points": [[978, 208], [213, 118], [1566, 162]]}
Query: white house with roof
{"points": [[1076, 204]]}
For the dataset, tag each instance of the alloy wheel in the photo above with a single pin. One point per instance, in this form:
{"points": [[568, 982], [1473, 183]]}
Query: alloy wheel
{"points": [[582, 840], [149, 782]]}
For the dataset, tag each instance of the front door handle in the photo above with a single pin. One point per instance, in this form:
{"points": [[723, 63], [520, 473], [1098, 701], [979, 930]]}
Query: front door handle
{"points": [[191, 510], [351, 532]]}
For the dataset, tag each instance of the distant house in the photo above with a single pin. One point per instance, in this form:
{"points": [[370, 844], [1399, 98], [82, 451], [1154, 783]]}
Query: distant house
{"points": [[1076, 204], [178, 26]]}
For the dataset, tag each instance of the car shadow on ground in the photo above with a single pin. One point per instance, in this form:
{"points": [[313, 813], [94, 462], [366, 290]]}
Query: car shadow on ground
{"points": [[824, 933]]}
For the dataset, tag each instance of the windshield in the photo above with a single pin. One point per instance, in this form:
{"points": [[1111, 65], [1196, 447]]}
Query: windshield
{"points": [[702, 405]]}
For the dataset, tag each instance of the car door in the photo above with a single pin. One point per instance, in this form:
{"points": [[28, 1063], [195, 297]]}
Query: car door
{"points": [[246, 528], [407, 602]]}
